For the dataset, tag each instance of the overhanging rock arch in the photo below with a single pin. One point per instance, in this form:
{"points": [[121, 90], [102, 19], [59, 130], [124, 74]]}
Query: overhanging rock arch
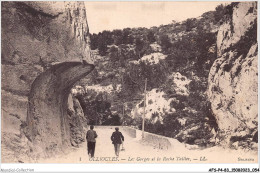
{"points": [[47, 120]]}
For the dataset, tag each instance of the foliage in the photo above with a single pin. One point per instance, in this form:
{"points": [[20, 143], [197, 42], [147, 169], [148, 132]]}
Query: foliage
{"points": [[114, 54], [151, 37], [97, 110], [190, 48], [102, 46], [190, 24], [93, 41], [165, 42], [139, 47], [113, 120], [220, 12]]}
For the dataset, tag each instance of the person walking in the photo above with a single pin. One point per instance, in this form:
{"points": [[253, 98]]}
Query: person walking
{"points": [[117, 139], [91, 139]]}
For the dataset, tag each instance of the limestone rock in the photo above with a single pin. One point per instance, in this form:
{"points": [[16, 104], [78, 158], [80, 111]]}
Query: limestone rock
{"points": [[242, 19], [77, 121], [233, 89], [45, 50]]}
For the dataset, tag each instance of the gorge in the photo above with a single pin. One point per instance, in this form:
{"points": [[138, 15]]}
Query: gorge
{"points": [[57, 78]]}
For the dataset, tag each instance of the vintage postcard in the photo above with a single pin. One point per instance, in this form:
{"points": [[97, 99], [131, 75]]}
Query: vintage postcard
{"points": [[129, 82]]}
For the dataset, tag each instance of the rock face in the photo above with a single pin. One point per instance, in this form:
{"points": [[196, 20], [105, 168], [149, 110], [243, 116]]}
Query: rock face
{"points": [[233, 77], [45, 50], [77, 121], [156, 106]]}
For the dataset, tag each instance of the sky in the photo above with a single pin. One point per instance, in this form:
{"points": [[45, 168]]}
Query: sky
{"points": [[118, 15]]}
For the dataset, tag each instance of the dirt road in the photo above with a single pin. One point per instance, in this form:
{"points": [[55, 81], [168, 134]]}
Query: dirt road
{"points": [[138, 152]]}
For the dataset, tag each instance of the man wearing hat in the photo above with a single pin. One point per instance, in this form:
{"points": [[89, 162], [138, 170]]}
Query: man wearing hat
{"points": [[117, 139]]}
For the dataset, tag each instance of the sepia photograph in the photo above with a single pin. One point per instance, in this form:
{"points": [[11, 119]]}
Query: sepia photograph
{"points": [[117, 82]]}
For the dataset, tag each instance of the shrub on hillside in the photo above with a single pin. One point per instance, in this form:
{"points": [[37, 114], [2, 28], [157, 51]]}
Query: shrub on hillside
{"points": [[190, 24], [151, 37], [102, 46], [165, 42]]}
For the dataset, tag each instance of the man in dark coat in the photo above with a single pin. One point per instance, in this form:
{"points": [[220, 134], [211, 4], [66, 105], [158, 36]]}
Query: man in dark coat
{"points": [[117, 139], [91, 139]]}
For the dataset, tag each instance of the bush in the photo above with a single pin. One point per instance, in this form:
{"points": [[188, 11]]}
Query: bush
{"points": [[220, 11], [113, 54], [117, 37], [127, 37], [113, 120], [151, 37], [190, 24], [156, 128], [165, 43], [102, 46], [139, 47], [93, 41]]}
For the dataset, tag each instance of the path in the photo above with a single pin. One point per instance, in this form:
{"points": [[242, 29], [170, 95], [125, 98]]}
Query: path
{"points": [[139, 152], [105, 148]]}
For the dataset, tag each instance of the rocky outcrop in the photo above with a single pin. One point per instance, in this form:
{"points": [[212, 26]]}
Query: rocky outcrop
{"points": [[45, 50], [77, 121], [233, 77]]}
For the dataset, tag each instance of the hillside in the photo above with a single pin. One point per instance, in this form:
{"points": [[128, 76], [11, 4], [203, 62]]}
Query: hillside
{"points": [[175, 59]]}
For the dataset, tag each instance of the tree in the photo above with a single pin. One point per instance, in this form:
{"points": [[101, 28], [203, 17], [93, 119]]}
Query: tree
{"points": [[139, 45], [102, 46], [117, 36], [165, 42], [93, 41], [127, 37], [113, 120], [219, 13], [151, 37], [113, 54], [107, 37], [190, 24]]}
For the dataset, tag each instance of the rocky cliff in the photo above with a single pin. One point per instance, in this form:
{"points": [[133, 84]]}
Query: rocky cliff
{"points": [[232, 87], [45, 50]]}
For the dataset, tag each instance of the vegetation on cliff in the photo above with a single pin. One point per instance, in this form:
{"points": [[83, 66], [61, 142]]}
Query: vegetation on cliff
{"points": [[127, 57]]}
